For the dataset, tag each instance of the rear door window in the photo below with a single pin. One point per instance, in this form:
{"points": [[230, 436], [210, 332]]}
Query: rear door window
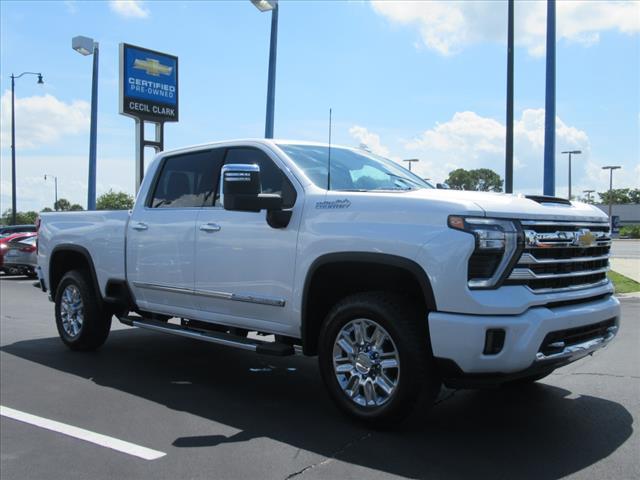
{"points": [[187, 180]]}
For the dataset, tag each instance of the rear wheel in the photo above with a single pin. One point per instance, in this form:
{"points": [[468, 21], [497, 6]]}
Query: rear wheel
{"points": [[81, 321], [375, 357]]}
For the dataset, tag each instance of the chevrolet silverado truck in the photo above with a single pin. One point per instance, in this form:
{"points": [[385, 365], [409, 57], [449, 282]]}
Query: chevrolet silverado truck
{"points": [[285, 247]]}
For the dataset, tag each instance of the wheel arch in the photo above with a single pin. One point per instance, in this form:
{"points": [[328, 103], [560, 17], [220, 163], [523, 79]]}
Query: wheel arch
{"points": [[369, 271], [67, 257]]}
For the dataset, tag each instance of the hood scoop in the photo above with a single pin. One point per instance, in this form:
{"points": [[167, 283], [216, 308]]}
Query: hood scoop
{"points": [[543, 199]]}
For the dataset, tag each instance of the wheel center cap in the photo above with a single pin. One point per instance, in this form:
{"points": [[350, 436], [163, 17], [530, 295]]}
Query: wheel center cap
{"points": [[363, 363]]}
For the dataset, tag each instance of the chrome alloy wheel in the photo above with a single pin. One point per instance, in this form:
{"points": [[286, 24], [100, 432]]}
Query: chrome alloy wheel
{"points": [[366, 363], [71, 311]]}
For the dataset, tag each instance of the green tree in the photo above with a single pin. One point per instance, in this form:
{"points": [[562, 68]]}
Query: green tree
{"points": [[621, 196], [46, 210], [75, 207], [114, 201], [481, 179], [22, 218], [62, 205]]}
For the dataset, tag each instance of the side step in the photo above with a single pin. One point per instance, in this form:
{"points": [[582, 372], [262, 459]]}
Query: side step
{"points": [[258, 346]]}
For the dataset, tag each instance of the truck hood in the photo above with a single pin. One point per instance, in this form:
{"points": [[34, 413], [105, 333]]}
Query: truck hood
{"points": [[518, 206]]}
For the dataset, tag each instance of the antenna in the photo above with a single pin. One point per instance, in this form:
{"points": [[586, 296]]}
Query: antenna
{"points": [[329, 156]]}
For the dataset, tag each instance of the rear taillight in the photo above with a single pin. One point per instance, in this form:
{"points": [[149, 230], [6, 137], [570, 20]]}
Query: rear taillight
{"points": [[28, 249]]}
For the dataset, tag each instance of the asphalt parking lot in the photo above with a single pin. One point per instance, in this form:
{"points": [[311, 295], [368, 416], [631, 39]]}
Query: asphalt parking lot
{"points": [[221, 413]]}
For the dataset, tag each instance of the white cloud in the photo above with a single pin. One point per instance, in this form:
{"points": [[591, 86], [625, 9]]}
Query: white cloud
{"points": [[371, 140], [449, 26], [469, 140], [42, 119], [129, 8]]}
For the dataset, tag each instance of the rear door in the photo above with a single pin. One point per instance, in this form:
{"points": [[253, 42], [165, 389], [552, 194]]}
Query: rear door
{"points": [[161, 232]]}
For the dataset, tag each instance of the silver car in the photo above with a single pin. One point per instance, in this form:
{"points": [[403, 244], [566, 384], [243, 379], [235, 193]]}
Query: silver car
{"points": [[20, 257]]}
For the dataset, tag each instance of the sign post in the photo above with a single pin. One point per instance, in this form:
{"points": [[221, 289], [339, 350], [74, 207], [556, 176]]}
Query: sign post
{"points": [[149, 94]]}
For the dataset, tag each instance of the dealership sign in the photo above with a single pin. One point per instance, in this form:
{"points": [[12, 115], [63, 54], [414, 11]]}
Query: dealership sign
{"points": [[148, 84]]}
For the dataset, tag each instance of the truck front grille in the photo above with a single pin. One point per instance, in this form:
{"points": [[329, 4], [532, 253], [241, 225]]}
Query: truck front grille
{"points": [[562, 256]]}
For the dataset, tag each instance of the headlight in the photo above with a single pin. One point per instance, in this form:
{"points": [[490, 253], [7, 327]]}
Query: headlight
{"points": [[496, 247]]}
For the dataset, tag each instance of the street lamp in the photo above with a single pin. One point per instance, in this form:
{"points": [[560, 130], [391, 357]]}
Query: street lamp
{"points": [[55, 181], [13, 139], [410, 161], [611, 168], [588, 192], [87, 46], [571, 152], [265, 6]]}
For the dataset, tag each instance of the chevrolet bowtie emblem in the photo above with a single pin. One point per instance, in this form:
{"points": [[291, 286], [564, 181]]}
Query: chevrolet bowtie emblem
{"points": [[152, 67], [584, 238]]}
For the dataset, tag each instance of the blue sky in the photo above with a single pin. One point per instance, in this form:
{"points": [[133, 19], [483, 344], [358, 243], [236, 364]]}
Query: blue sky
{"points": [[409, 79]]}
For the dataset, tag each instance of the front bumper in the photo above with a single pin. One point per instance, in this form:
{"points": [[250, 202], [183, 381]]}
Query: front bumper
{"points": [[458, 340]]}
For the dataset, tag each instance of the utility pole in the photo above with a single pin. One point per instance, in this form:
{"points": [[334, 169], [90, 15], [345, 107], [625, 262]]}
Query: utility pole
{"points": [[410, 161], [55, 182], [611, 168], [574, 152], [588, 192]]}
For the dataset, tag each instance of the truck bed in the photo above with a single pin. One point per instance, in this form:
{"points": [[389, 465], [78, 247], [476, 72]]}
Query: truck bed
{"points": [[100, 233]]}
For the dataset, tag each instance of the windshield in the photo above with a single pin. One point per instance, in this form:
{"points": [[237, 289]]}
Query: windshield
{"points": [[352, 170]]}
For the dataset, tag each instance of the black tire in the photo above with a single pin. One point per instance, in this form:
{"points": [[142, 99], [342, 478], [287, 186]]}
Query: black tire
{"points": [[406, 324], [96, 321]]}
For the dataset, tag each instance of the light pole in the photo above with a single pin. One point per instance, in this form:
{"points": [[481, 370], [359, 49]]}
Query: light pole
{"points": [[571, 152], [13, 139], [410, 161], [611, 168], [87, 46], [508, 171], [549, 186], [55, 182], [588, 192], [265, 6]]}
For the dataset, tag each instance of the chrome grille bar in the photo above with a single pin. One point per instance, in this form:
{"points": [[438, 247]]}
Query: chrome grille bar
{"points": [[552, 249], [530, 259], [527, 274]]}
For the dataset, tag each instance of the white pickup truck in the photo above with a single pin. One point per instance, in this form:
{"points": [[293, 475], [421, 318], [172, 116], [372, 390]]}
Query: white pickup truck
{"points": [[332, 251]]}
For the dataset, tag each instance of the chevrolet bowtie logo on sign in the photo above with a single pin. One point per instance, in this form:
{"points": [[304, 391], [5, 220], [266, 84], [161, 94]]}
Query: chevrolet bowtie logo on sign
{"points": [[148, 84], [152, 67], [584, 238]]}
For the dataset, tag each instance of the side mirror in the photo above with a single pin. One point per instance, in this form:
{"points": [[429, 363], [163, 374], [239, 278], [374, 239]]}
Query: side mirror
{"points": [[442, 186], [242, 191]]}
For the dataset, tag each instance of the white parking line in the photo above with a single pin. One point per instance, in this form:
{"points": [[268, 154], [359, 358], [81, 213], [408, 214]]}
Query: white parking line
{"points": [[82, 434]]}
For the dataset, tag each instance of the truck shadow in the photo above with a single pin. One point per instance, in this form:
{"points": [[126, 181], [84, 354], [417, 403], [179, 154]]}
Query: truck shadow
{"points": [[541, 431]]}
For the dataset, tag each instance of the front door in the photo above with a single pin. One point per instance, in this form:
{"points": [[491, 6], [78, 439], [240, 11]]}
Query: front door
{"points": [[244, 270], [161, 233]]}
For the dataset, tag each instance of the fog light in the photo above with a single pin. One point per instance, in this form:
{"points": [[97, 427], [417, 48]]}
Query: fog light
{"points": [[494, 341]]}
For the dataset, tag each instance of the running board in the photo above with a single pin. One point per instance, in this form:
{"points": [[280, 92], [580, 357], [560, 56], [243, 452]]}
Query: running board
{"points": [[258, 346]]}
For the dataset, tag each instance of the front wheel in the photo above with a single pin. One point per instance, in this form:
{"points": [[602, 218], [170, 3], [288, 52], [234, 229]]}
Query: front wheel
{"points": [[81, 321], [375, 357]]}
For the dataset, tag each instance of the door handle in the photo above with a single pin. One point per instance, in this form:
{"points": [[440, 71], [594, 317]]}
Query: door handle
{"points": [[210, 227], [139, 226]]}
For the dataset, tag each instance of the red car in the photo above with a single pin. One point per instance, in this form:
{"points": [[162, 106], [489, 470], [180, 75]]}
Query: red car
{"points": [[5, 246]]}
